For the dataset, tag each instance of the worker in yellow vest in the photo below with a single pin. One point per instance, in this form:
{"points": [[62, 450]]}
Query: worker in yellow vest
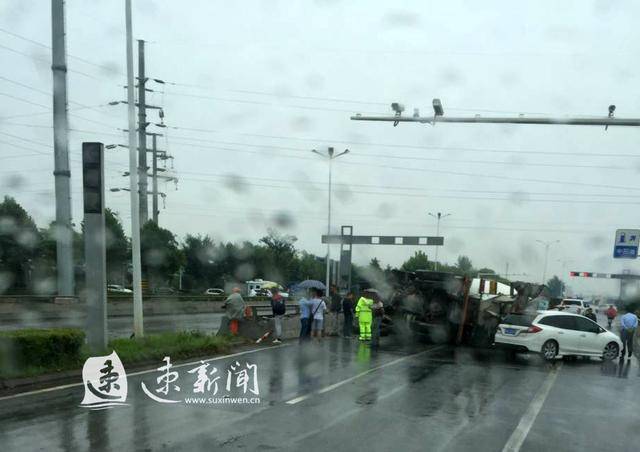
{"points": [[364, 315]]}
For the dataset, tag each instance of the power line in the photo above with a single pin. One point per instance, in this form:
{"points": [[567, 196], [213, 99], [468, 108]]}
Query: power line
{"points": [[40, 44], [44, 60], [27, 140], [320, 184], [24, 100], [47, 93], [428, 159], [337, 99], [417, 195], [454, 173], [407, 146], [491, 176], [254, 102]]}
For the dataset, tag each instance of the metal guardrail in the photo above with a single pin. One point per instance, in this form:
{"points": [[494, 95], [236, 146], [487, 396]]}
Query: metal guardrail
{"points": [[265, 311]]}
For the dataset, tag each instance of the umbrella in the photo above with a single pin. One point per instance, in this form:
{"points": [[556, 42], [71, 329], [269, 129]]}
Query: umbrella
{"points": [[311, 284], [269, 285], [371, 291]]}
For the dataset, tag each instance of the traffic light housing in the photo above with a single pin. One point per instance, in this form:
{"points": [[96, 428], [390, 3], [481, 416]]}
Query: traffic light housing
{"points": [[92, 175]]}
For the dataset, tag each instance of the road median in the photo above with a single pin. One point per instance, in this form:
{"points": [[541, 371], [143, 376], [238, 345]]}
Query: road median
{"points": [[19, 375]]}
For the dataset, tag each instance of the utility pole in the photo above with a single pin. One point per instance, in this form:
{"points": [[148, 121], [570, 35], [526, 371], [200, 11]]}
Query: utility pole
{"points": [[155, 181], [142, 137], [547, 245], [438, 217], [330, 156], [138, 325], [62, 173]]}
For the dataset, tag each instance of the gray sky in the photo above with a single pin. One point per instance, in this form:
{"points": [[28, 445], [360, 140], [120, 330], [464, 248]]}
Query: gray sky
{"points": [[256, 85]]}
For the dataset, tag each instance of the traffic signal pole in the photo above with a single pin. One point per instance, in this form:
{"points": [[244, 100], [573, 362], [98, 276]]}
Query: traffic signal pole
{"points": [[577, 121]]}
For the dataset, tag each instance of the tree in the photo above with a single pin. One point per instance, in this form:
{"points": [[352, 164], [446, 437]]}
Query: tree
{"points": [[117, 247], [201, 269], [375, 264], [556, 287], [45, 261], [464, 265], [308, 266], [276, 258], [161, 257], [419, 261], [19, 239]]}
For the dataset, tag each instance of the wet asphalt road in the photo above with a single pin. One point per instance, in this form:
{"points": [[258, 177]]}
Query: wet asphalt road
{"points": [[123, 326], [341, 395]]}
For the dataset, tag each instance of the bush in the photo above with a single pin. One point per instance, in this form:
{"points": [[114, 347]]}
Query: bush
{"points": [[31, 348], [178, 345]]}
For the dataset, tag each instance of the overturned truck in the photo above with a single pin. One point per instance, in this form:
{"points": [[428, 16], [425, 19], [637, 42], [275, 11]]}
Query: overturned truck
{"points": [[441, 307]]}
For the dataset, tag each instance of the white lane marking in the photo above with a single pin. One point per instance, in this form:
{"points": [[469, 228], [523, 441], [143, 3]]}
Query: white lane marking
{"points": [[142, 372], [529, 417], [355, 377]]}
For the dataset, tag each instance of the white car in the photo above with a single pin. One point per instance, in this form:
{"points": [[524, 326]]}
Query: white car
{"points": [[556, 333], [214, 292], [115, 288], [574, 305]]}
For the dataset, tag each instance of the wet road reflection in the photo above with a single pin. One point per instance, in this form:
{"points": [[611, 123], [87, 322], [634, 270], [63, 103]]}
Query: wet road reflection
{"points": [[437, 396]]}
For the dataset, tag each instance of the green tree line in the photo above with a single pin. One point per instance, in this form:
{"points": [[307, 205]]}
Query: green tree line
{"points": [[28, 257]]}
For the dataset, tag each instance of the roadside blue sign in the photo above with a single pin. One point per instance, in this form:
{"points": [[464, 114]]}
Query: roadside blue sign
{"points": [[626, 244]]}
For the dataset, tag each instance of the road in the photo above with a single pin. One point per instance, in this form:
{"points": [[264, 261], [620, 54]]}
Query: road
{"points": [[123, 326], [341, 395]]}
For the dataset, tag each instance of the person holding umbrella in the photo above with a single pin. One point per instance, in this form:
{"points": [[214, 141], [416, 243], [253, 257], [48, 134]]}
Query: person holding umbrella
{"points": [[363, 313], [305, 305]]}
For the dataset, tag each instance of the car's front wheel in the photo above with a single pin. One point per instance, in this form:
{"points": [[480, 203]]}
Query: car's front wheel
{"points": [[550, 350], [611, 351]]}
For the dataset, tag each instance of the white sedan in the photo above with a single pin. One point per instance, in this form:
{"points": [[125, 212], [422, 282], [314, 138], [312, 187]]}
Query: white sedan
{"points": [[554, 333]]}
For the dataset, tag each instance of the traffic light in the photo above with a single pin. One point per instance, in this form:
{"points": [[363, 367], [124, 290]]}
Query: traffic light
{"points": [[92, 172]]}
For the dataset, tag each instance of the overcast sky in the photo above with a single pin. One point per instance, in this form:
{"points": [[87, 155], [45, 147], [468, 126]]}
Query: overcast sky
{"points": [[253, 86]]}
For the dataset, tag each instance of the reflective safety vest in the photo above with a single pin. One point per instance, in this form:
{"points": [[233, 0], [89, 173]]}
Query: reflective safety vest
{"points": [[363, 309]]}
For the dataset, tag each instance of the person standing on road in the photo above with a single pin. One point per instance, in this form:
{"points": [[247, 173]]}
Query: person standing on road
{"points": [[363, 312], [590, 315], [235, 306], [611, 314], [347, 311], [377, 309], [628, 326], [334, 310], [305, 318], [318, 306], [279, 308]]}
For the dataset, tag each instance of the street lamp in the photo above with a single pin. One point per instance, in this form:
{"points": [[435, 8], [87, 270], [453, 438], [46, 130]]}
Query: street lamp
{"points": [[330, 156], [438, 216], [547, 245], [564, 263]]}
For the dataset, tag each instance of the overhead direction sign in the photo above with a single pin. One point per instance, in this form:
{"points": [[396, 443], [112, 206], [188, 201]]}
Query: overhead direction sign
{"points": [[383, 240], [603, 275], [626, 244]]}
